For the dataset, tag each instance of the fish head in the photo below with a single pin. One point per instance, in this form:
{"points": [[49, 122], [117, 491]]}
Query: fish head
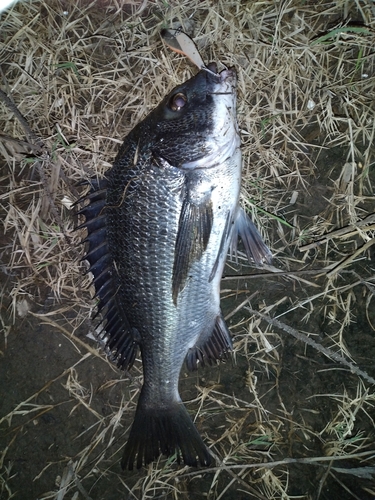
{"points": [[196, 124]]}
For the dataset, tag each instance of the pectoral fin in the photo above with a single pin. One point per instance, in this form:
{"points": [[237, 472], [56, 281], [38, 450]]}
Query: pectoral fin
{"points": [[255, 248], [192, 238], [214, 348]]}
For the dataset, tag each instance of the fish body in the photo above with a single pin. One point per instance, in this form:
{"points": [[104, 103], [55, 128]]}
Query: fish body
{"points": [[159, 229]]}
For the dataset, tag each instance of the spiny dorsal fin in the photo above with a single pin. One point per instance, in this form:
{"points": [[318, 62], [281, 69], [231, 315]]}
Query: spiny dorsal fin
{"points": [[115, 330]]}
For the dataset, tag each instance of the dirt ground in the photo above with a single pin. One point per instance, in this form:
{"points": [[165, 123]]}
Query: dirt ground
{"points": [[285, 421], [39, 364]]}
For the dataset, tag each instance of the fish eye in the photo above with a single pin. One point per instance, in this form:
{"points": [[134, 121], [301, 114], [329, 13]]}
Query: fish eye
{"points": [[178, 101]]}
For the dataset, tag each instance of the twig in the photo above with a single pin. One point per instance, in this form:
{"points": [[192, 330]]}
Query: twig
{"points": [[23, 122], [36, 143], [304, 338], [350, 259], [347, 231], [277, 272], [285, 461], [18, 142], [238, 308]]}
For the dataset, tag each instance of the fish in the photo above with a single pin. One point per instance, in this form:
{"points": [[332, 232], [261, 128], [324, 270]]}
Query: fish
{"points": [[160, 225]]}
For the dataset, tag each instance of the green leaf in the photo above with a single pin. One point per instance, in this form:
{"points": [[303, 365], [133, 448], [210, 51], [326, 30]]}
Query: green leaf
{"points": [[67, 65], [337, 31], [272, 216]]}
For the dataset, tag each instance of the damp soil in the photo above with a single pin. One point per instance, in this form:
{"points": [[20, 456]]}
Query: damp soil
{"points": [[51, 427]]}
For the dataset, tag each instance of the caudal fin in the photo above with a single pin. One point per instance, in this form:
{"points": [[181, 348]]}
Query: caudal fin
{"points": [[164, 431]]}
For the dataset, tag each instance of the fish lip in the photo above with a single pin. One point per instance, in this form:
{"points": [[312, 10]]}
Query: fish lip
{"points": [[222, 83], [223, 75], [228, 73]]}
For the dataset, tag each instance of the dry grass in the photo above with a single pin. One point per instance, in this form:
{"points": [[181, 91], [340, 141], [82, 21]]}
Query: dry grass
{"points": [[82, 77]]}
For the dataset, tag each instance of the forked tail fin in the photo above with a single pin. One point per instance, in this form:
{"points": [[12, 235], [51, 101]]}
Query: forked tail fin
{"points": [[164, 431]]}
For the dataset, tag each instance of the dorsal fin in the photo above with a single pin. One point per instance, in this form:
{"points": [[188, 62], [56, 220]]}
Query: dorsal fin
{"points": [[115, 329]]}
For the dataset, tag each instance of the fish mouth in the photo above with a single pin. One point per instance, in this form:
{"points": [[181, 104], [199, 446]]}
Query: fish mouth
{"points": [[224, 82], [223, 138], [223, 75]]}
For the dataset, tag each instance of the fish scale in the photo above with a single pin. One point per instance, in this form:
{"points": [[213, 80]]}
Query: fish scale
{"points": [[159, 228]]}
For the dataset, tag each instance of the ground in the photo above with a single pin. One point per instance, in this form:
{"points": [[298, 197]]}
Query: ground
{"points": [[284, 420]]}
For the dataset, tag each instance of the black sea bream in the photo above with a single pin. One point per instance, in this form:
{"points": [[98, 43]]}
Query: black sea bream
{"points": [[159, 228]]}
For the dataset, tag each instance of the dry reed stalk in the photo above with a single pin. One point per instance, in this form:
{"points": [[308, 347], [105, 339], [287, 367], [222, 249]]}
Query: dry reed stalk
{"points": [[74, 81]]}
